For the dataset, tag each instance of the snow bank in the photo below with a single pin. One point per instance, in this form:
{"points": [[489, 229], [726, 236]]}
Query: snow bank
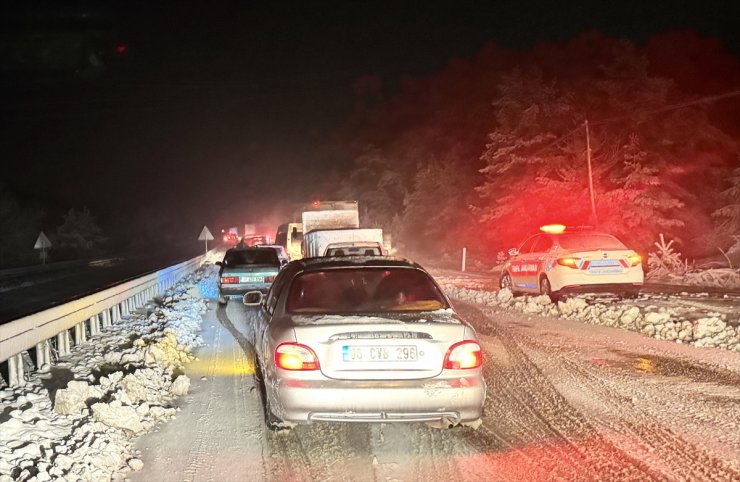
{"points": [[662, 323], [726, 278], [124, 382]]}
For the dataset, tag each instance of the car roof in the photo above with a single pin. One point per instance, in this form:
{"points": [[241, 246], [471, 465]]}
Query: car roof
{"points": [[319, 263]]}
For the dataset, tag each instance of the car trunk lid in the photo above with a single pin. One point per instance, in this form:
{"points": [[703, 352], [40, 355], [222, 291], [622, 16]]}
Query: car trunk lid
{"points": [[375, 348]]}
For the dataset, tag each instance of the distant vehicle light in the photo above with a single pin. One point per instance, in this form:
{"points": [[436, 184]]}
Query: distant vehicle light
{"points": [[635, 259], [316, 203], [120, 48], [230, 280], [553, 228], [294, 356], [463, 355]]}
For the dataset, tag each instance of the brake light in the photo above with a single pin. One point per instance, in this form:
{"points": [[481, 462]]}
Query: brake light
{"points": [[230, 280], [635, 259], [553, 228], [269, 279], [464, 354], [569, 262], [294, 356]]}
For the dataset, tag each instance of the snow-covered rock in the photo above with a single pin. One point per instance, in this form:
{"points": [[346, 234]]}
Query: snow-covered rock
{"points": [[71, 400], [180, 386], [119, 416]]}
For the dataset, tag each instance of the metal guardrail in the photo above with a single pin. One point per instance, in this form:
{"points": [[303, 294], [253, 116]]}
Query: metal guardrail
{"points": [[81, 316]]}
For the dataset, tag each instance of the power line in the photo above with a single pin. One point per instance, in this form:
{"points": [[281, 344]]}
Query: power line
{"points": [[610, 120], [668, 108]]}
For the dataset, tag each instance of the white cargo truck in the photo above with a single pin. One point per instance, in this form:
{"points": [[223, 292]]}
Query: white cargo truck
{"points": [[343, 242], [330, 215]]}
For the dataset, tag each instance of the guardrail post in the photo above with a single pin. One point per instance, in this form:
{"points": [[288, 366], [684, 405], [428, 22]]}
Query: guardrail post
{"points": [[16, 376], [93, 325], [105, 316], [63, 343], [43, 353]]}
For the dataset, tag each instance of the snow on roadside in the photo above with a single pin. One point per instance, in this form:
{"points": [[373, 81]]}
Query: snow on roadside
{"points": [[712, 329], [78, 421]]}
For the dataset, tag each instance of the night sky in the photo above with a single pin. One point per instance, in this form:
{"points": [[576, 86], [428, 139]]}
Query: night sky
{"points": [[212, 111]]}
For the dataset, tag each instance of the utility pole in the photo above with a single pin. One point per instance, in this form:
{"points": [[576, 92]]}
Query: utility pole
{"points": [[594, 219]]}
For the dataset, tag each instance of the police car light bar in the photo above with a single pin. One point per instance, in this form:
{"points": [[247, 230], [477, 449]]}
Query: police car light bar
{"points": [[553, 228]]}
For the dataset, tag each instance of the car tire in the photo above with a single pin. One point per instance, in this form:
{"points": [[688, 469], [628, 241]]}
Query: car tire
{"points": [[546, 289], [629, 294], [506, 282], [272, 422]]}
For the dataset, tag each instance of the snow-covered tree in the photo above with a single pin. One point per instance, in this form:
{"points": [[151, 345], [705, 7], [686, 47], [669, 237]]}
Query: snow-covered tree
{"points": [[20, 224], [376, 184], [80, 232], [728, 216]]}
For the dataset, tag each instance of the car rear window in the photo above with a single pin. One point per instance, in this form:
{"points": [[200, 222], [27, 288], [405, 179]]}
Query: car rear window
{"points": [[353, 251], [589, 242], [251, 256], [364, 290]]}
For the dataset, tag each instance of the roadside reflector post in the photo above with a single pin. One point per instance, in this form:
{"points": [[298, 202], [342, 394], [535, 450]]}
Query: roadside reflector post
{"points": [[464, 258]]}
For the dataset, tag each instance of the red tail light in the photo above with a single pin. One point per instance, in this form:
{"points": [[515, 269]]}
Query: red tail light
{"points": [[269, 279], [230, 280], [294, 356], [569, 262], [464, 354]]}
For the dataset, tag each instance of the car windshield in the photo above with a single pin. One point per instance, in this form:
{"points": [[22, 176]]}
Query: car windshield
{"points": [[251, 256], [589, 242], [364, 290]]}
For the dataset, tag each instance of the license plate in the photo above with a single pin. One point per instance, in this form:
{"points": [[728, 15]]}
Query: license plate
{"points": [[379, 353], [604, 262], [606, 270], [251, 279]]}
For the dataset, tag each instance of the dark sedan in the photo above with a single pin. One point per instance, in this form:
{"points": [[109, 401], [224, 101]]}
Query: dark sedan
{"points": [[246, 269]]}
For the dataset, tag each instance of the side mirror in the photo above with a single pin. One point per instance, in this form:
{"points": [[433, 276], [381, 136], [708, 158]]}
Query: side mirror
{"points": [[252, 298], [513, 252]]}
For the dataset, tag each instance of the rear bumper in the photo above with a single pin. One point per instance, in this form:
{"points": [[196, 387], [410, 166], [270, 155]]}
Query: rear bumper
{"points": [[602, 288], [239, 290], [570, 280], [454, 400]]}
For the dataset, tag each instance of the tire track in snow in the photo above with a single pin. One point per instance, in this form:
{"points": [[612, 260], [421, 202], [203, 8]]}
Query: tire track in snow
{"points": [[203, 444], [524, 410], [643, 435], [245, 392]]}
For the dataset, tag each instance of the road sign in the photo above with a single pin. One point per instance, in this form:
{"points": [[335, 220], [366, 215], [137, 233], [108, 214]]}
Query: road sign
{"points": [[42, 243], [205, 235]]}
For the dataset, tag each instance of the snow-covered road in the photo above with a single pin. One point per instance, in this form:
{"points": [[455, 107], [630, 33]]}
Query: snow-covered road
{"points": [[566, 401]]}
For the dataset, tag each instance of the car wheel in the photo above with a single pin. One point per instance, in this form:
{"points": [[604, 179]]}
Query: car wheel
{"points": [[629, 294], [506, 282], [546, 289], [272, 422]]}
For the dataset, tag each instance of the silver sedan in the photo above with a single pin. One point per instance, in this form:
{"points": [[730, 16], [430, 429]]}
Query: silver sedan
{"points": [[364, 339]]}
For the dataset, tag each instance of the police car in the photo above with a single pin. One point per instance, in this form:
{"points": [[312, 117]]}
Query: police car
{"points": [[561, 260]]}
